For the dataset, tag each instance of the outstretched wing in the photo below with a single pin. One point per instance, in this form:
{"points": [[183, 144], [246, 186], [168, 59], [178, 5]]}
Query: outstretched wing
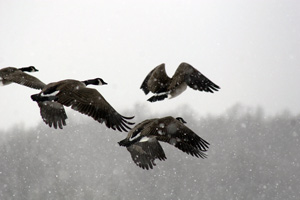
{"points": [[144, 153], [172, 131], [189, 149], [196, 79], [156, 81], [25, 79], [90, 102], [53, 113]]}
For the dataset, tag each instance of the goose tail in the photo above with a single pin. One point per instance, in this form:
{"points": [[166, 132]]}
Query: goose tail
{"points": [[158, 97]]}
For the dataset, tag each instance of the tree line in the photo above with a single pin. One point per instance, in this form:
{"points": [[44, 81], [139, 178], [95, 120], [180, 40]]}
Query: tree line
{"points": [[251, 156]]}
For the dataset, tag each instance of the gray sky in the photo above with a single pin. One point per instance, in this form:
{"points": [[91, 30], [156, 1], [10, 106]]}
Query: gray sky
{"points": [[249, 48]]}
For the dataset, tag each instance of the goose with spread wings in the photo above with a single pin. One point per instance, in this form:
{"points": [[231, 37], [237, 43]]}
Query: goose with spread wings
{"points": [[143, 140], [159, 83], [10, 75], [75, 94]]}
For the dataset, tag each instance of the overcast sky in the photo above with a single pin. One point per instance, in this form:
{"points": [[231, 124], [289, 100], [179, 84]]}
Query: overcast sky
{"points": [[251, 49]]}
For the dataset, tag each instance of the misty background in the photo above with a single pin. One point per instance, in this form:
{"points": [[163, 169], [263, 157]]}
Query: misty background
{"points": [[251, 49], [250, 157]]}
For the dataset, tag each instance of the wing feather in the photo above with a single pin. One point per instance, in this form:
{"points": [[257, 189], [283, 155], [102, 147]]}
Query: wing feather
{"points": [[172, 131], [195, 79], [156, 81], [144, 153], [53, 114], [90, 102], [25, 79]]}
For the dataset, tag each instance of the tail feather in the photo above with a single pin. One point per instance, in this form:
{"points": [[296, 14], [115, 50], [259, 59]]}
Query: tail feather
{"points": [[158, 97], [53, 114], [125, 142], [39, 98]]}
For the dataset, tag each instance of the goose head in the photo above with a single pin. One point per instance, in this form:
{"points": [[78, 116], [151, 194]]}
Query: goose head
{"points": [[181, 120], [96, 81], [29, 69]]}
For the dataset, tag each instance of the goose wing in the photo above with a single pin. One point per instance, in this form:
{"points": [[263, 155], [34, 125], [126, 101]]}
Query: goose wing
{"points": [[144, 153], [156, 81], [172, 131], [141, 129], [195, 79], [25, 79], [53, 113], [90, 102]]}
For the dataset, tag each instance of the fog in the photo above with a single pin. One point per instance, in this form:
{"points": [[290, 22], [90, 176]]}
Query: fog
{"points": [[251, 156], [250, 48]]}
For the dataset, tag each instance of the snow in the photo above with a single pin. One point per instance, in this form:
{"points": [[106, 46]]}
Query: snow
{"points": [[249, 158]]}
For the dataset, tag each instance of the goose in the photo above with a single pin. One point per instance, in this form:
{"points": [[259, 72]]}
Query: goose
{"points": [[142, 141], [75, 94], [159, 83], [9, 75]]}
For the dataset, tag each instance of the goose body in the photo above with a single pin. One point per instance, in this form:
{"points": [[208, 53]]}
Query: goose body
{"points": [[10, 75], [143, 140], [159, 83], [75, 94]]}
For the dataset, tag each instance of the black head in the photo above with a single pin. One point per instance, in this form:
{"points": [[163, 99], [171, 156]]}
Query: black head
{"points": [[181, 120], [101, 81], [96, 81], [29, 69]]}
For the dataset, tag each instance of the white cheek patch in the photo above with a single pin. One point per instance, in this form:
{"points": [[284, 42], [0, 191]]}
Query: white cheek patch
{"points": [[1, 82], [51, 94]]}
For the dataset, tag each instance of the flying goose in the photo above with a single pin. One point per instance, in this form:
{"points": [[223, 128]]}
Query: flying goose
{"points": [[85, 100], [17, 75], [143, 140], [158, 82]]}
